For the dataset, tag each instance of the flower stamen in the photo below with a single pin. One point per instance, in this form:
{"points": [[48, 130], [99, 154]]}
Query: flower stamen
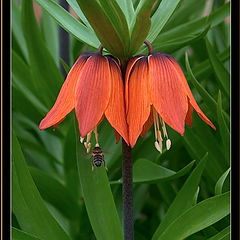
{"points": [[88, 144], [157, 120], [96, 136]]}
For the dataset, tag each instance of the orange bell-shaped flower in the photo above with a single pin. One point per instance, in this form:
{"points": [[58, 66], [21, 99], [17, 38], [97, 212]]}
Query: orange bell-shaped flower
{"points": [[156, 92], [94, 88]]}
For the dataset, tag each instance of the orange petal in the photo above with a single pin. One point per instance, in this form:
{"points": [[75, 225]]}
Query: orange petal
{"points": [[189, 93], [130, 65], [188, 119], [167, 93], [147, 125], [138, 101], [65, 100], [92, 93], [115, 112]]}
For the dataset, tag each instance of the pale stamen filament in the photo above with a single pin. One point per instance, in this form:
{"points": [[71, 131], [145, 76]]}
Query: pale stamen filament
{"points": [[87, 144], [96, 137], [157, 120]]}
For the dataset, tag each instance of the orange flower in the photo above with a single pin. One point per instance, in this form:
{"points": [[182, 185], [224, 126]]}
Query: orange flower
{"points": [[94, 88], [157, 92]]}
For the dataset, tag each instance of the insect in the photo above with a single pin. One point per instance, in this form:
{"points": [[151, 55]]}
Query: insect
{"points": [[97, 157]]}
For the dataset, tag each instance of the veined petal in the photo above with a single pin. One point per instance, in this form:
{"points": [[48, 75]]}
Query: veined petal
{"points": [[188, 119], [147, 125], [66, 98], [189, 93], [92, 93], [130, 65], [167, 93], [138, 101], [115, 112]]}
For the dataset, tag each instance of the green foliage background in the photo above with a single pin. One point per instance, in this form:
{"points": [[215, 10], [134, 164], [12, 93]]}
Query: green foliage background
{"points": [[180, 194]]}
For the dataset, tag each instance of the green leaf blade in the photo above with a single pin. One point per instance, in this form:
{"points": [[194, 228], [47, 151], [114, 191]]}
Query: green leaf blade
{"points": [[183, 200], [198, 217], [98, 198], [28, 206]]}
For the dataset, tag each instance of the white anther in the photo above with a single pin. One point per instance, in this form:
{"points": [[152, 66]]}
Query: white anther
{"points": [[81, 139], [168, 144], [158, 146]]}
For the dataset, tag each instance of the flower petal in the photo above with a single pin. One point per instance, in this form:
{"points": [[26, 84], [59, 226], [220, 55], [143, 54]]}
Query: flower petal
{"points": [[130, 65], [167, 93], [138, 99], [65, 100], [188, 119], [189, 93], [92, 93], [147, 125], [115, 112]]}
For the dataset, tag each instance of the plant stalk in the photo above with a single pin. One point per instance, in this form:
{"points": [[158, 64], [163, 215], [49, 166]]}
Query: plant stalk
{"points": [[127, 192]]}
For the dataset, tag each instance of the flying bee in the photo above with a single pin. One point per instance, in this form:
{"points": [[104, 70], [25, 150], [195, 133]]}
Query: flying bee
{"points": [[97, 157]]}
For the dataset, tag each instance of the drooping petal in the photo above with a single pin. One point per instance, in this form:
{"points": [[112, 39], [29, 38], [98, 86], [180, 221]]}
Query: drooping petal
{"points": [[167, 93], [138, 99], [92, 93], [188, 92], [115, 112], [66, 98], [188, 119], [130, 65], [147, 125]]}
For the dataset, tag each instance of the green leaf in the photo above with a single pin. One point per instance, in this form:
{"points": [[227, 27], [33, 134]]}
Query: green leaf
{"points": [[204, 68], [219, 69], [17, 29], [69, 23], [220, 182], [55, 193], [208, 99], [127, 9], [98, 197], [224, 129], [47, 78], [189, 32], [183, 200], [141, 24], [200, 216], [77, 9], [110, 26], [50, 31], [28, 206], [223, 235], [18, 234], [180, 36], [22, 80], [161, 16], [145, 171]]}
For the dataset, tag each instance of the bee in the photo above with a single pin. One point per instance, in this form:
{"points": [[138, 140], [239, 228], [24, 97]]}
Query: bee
{"points": [[97, 157]]}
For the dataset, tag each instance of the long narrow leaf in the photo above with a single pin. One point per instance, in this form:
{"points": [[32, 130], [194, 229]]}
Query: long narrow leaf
{"points": [[20, 235], [69, 23], [198, 217], [110, 26], [219, 69], [98, 197], [161, 16], [127, 8], [141, 24], [183, 200], [28, 206], [220, 182]]}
